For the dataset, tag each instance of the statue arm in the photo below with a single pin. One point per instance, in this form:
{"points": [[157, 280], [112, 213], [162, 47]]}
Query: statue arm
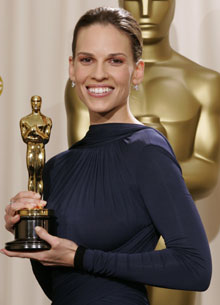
{"points": [[48, 128], [201, 170], [26, 131], [30, 133], [45, 134]]}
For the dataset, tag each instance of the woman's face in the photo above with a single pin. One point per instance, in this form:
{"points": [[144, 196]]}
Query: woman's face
{"points": [[154, 16], [103, 68]]}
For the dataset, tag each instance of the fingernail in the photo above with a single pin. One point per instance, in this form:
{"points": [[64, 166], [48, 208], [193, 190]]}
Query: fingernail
{"points": [[31, 205], [37, 229], [43, 202], [37, 195]]}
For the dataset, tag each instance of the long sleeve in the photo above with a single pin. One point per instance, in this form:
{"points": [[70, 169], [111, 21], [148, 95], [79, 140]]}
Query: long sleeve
{"points": [[186, 261]]}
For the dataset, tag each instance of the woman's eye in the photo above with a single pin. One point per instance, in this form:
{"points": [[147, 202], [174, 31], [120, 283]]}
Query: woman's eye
{"points": [[116, 61], [86, 60]]}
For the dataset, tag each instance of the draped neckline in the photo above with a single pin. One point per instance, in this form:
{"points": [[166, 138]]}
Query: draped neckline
{"points": [[100, 134]]}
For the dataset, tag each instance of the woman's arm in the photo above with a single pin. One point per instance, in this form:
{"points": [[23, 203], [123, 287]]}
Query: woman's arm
{"points": [[186, 262]]}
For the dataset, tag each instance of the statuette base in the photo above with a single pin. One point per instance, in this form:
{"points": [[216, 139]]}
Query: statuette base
{"points": [[26, 239], [27, 245]]}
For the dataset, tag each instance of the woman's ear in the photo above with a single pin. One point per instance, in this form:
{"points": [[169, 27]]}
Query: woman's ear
{"points": [[71, 69], [138, 74]]}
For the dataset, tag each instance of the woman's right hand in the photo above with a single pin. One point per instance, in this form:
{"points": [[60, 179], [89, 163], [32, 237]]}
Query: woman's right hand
{"points": [[23, 200]]}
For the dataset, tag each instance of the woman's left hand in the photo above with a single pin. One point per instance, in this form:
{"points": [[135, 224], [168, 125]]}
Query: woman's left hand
{"points": [[62, 251]]}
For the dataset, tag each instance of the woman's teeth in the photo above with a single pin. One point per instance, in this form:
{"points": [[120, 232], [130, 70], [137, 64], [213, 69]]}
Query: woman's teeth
{"points": [[100, 90]]}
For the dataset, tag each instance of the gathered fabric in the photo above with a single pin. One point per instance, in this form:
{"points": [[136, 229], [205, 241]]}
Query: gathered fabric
{"points": [[116, 192]]}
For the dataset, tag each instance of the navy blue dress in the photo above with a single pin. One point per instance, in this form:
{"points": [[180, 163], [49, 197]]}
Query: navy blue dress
{"points": [[115, 192]]}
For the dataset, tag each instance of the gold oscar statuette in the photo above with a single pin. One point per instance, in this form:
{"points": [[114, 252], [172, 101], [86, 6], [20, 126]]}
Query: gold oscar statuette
{"points": [[1, 85], [35, 131]]}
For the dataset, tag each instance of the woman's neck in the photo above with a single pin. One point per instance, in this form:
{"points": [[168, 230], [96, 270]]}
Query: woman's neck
{"points": [[122, 115]]}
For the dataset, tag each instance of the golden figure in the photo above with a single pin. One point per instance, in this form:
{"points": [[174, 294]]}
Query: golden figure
{"points": [[176, 93], [35, 132], [1, 85]]}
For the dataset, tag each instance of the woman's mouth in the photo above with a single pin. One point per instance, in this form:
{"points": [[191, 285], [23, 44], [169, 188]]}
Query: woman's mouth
{"points": [[99, 90]]}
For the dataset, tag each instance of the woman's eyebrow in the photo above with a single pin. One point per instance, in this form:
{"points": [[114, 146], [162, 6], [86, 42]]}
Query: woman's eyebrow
{"points": [[84, 53], [117, 54], [111, 54]]}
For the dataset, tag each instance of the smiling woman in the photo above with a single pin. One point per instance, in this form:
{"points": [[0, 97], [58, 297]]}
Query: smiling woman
{"points": [[117, 190], [104, 71]]}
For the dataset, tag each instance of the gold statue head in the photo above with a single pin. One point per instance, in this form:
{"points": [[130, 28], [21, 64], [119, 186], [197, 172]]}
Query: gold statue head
{"points": [[36, 103], [154, 17]]}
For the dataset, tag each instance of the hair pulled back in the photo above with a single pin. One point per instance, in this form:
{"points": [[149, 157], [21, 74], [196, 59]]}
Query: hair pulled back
{"points": [[119, 18]]}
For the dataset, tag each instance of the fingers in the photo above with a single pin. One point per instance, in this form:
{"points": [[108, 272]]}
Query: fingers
{"points": [[26, 196], [23, 200], [32, 255], [11, 253], [43, 234], [10, 221], [37, 255], [25, 203]]}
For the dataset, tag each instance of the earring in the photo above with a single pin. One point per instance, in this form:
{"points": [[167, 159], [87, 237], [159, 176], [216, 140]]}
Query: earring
{"points": [[136, 87], [73, 84]]}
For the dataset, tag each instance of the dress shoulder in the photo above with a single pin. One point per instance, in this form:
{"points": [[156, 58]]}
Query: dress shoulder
{"points": [[151, 137], [57, 159]]}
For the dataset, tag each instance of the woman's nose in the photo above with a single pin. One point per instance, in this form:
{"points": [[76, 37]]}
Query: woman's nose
{"points": [[99, 72]]}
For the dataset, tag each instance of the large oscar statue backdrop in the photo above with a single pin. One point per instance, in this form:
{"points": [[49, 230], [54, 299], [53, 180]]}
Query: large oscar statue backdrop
{"points": [[178, 96]]}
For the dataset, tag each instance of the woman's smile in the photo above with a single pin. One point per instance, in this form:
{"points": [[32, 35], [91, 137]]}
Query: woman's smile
{"points": [[99, 91]]}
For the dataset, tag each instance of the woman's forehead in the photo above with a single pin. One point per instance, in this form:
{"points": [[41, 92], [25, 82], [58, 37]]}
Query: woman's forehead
{"points": [[105, 37]]}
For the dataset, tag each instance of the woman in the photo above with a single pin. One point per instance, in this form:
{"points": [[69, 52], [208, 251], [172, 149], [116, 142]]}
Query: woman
{"points": [[117, 190]]}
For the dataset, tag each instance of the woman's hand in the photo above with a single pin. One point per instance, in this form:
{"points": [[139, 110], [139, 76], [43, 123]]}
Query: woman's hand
{"points": [[62, 251], [23, 200]]}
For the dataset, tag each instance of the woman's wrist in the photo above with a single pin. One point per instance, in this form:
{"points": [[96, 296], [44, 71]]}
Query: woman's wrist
{"points": [[78, 258]]}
